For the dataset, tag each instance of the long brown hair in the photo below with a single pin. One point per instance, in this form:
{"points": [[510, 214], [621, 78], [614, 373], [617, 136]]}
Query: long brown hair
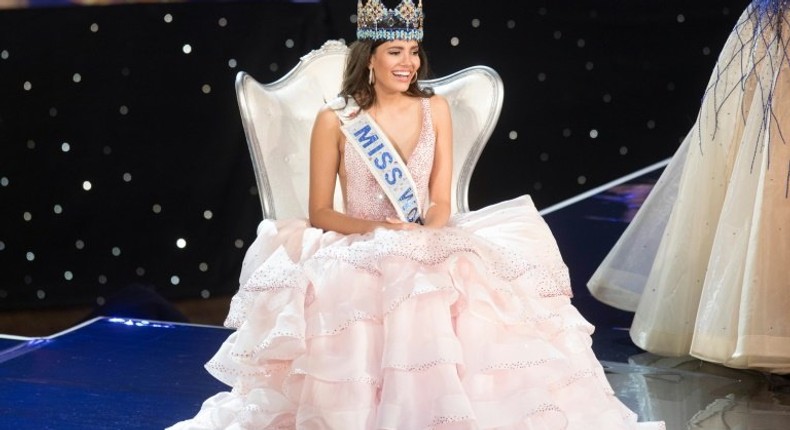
{"points": [[355, 76]]}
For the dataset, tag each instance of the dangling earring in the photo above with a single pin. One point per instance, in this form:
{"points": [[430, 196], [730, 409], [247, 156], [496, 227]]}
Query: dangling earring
{"points": [[371, 77]]}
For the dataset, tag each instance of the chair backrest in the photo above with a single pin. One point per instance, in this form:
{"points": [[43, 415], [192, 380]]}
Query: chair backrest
{"points": [[278, 118]]}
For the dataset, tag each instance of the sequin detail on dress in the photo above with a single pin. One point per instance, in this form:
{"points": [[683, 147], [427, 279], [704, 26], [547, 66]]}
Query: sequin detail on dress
{"points": [[364, 197]]}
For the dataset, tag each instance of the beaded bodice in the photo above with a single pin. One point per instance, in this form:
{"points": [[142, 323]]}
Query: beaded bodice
{"points": [[364, 197]]}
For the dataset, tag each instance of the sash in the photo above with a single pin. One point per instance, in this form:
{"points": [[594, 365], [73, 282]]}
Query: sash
{"points": [[380, 157]]}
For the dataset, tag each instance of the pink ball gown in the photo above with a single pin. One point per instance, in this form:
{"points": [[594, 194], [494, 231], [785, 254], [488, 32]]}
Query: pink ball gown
{"points": [[464, 327]]}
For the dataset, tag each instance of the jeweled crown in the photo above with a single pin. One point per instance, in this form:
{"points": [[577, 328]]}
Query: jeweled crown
{"points": [[376, 22]]}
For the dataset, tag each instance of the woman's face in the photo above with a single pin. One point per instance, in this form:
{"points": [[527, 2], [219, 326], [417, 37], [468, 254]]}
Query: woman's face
{"points": [[395, 64]]}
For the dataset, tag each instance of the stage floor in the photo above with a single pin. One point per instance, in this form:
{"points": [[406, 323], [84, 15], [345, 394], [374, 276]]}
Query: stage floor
{"points": [[122, 373]]}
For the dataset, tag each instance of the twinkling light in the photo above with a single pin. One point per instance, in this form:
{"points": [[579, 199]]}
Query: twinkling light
{"points": [[181, 243], [140, 151]]}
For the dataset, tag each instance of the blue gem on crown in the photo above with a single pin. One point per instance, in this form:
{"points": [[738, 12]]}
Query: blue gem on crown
{"points": [[376, 22]]}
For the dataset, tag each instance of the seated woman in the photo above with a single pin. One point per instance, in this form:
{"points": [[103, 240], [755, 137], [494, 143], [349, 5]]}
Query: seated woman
{"points": [[393, 314]]}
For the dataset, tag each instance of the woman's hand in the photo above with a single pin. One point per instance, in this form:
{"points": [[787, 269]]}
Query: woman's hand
{"points": [[397, 224]]}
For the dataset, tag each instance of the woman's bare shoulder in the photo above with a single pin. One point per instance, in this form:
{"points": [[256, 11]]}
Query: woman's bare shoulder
{"points": [[439, 104], [326, 118]]}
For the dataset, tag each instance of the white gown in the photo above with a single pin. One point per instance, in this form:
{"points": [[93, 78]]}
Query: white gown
{"points": [[704, 262]]}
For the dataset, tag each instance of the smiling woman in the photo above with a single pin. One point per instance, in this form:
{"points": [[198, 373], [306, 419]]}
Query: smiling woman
{"points": [[391, 313]]}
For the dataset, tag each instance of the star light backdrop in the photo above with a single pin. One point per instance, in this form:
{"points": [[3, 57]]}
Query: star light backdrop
{"points": [[123, 159]]}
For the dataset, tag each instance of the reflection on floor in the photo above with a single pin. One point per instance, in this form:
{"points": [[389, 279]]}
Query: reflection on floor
{"points": [[683, 391], [121, 373]]}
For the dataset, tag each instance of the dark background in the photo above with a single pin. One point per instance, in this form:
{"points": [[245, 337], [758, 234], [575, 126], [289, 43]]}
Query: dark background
{"points": [[594, 90]]}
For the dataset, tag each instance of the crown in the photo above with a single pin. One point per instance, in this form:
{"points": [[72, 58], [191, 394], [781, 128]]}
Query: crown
{"points": [[376, 22]]}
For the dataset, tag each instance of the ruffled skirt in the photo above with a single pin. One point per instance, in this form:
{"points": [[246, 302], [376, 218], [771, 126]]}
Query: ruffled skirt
{"points": [[465, 327]]}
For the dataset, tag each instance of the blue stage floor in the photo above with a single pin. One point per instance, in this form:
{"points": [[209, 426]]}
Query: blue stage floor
{"points": [[119, 373], [109, 373]]}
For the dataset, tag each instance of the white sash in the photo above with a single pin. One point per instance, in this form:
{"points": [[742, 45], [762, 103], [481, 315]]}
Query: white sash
{"points": [[380, 156]]}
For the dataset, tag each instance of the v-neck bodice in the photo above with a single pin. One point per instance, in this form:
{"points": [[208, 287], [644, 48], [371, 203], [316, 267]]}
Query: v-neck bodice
{"points": [[364, 197]]}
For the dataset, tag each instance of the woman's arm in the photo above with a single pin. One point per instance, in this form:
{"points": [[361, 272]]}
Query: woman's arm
{"points": [[325, 143], [442, 172]]}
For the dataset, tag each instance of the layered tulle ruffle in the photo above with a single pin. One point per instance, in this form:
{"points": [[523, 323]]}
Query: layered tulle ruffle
{"points": [[465, 327]]}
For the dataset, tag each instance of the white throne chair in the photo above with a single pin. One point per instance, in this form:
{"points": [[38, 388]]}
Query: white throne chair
{"points": [[278, 118]]}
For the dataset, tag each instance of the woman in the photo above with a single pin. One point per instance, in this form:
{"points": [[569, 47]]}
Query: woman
{"points": [[393, 314], [704, 262]]}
